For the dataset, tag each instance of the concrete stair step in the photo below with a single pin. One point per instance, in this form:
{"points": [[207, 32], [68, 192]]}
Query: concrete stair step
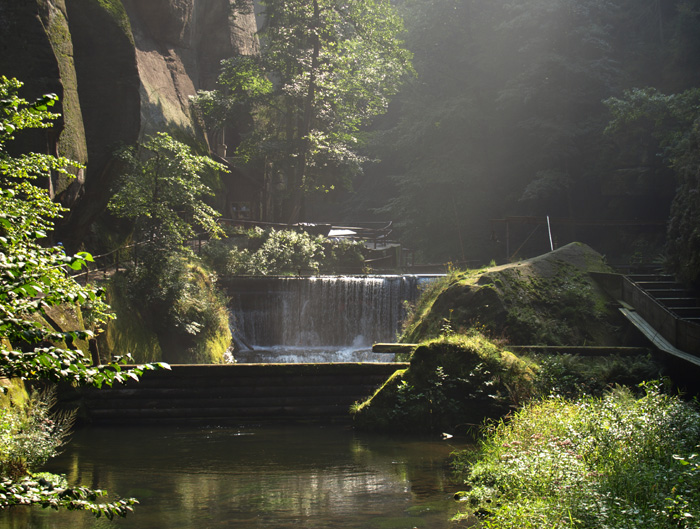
{"points": [[651, 277], [686, 312], [655, 285], [679, 302], [224, 403], [667, 292], [213, 392], [278, 412]]}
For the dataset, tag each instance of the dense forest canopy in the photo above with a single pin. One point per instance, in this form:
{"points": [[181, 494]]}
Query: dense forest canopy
{"points": [[507, 116], [465, 122]]}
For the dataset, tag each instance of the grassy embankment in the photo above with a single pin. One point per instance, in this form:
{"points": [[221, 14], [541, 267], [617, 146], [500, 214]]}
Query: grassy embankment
{"points": [[617, 461]]}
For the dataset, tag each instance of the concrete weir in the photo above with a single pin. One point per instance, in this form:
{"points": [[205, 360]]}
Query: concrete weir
{"points": [[236, 393], [318, 319]]}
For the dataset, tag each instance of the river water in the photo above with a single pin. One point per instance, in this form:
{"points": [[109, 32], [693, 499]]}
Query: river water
{"points": [[273, 477]]}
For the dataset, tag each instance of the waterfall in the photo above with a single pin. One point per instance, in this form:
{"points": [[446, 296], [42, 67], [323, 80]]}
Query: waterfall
{"points": [[319, 319]]}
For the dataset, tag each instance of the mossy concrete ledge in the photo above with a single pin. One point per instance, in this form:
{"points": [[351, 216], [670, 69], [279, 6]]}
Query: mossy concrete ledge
{"points": [[233, 393]]}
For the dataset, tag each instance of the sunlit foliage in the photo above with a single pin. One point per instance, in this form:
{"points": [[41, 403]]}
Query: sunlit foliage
{"points": [[33, 279], [162, 193], [283, 252], [617, 461]]}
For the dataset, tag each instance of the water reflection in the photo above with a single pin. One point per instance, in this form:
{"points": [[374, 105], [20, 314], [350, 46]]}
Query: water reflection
{"points": [[254, 477]]}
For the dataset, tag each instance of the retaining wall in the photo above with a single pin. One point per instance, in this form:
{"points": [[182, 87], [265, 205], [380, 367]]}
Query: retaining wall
{"points": [[233, 393]]}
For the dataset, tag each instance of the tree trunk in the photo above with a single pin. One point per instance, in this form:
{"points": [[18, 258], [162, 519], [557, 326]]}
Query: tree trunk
{"points": [[299, 191]]}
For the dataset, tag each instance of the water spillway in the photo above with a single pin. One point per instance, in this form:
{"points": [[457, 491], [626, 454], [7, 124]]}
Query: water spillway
{"points": [[318, 319]]}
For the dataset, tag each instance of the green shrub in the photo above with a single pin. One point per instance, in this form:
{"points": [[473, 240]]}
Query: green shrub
{"points": [[29, 433], [288, 251], [281, 252], [617, 461], [342, 256], [574, 376]]}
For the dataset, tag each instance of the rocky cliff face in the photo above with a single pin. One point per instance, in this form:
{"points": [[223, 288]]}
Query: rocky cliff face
{"points": [[123, 69]]}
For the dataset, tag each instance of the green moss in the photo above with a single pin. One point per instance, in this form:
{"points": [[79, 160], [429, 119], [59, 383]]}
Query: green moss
{"points": [[116, 10], [419, 323], [15, 393], [452, 384], [187, 325], [547, 300], [215, 338], [72, 142], [67, 318], [128, 333]]}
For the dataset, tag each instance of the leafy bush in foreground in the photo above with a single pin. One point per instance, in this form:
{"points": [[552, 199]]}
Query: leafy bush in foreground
{"points": [[29, 433], [613, 462], [34, 279]]}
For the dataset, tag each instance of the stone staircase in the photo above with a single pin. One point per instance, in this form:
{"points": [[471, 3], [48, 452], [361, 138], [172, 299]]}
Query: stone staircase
{"points": [[671, 294], [215, 394], [664, 311]]}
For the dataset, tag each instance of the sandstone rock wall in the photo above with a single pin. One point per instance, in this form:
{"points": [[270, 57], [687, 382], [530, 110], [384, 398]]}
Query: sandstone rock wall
{"points": [[35, 47], [123, 69]]}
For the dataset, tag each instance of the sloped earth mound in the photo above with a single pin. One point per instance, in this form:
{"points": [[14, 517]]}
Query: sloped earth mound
{"points": [[546, 300]]}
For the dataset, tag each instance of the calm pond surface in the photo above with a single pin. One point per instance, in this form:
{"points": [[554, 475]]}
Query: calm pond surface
{"points": [[281, 476]]}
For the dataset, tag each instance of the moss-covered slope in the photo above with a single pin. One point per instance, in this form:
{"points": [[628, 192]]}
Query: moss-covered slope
{"points": [[547, 300], [189, 326], [452, 384]]}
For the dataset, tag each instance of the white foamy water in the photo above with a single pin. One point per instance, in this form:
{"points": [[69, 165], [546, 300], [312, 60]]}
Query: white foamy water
{"points": [[319, 319]]}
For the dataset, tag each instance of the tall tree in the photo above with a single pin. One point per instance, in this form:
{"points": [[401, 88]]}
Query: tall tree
{"points": [[163, 193], [334, 66]]}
